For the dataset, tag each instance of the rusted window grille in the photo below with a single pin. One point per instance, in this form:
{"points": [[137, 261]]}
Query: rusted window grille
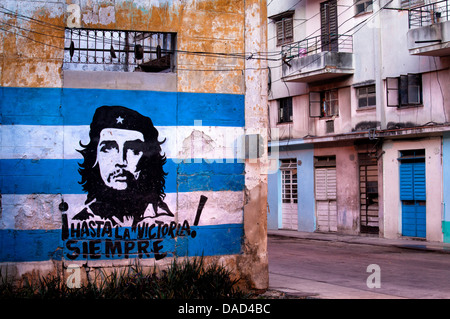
{"points": [[115, 50]]}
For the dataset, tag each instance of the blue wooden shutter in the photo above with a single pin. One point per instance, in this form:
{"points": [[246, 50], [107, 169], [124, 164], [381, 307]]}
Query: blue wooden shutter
{"points": [[406, 181], [412, 181], [413, 195], [419, 181]]}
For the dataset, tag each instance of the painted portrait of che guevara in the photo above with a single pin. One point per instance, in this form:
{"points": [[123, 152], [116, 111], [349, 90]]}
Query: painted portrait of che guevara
{"points": [[122, 172]]}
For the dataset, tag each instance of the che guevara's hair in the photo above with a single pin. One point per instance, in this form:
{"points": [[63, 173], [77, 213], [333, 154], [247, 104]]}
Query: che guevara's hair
{"points": [[151, 182]]}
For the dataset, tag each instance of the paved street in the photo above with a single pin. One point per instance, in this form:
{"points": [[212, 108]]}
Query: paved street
{"points": [[334, 269]]}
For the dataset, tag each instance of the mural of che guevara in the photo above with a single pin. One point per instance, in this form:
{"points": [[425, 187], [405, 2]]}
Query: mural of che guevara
{"points": [[122, 171]]}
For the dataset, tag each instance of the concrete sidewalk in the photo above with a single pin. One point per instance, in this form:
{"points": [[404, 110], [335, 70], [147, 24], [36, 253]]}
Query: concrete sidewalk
{"points": [[366, 240], [315, 289]]}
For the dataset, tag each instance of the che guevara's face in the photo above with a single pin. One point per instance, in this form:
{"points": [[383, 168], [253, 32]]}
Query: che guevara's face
{"points": [[118, 154]]}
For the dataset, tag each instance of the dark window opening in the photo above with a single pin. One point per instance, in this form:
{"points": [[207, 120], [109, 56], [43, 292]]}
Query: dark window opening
{"points": [[285, 110], [363, 6], [325, 161], [405, 90], [329, 126], [412, 156], [323, 104]]}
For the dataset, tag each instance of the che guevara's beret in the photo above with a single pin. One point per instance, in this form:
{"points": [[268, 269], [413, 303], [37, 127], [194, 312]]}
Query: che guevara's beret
{"points": [[122, 118]]}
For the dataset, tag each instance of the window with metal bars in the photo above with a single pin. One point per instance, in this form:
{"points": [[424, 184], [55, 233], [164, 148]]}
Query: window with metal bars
{"points": [[288, 170], [116, 50]]}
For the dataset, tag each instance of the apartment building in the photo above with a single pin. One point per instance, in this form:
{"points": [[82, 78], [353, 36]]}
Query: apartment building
{"points": [[359, 107]]}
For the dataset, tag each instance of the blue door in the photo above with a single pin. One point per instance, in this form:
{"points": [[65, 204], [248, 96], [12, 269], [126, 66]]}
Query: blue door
{"points": [[413, 219], [413, 196]]}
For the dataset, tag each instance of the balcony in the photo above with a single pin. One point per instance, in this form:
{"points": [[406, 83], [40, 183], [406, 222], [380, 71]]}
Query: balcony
{"points": [[318, 58], [429, 29]]}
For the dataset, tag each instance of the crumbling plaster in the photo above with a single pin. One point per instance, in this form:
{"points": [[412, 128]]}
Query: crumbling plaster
{"points": [[32, 57]]}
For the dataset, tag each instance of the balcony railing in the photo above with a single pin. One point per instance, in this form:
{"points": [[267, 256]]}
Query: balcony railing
{"points": [[429, 14], [321, 43]]}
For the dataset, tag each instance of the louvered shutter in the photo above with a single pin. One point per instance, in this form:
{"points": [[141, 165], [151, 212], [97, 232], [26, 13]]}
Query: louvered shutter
{"points": [[406, 181], [326, 206], [331, 183], [321, 184], [280, 36], [413, 196], [285, 31], [412, 181], [333, 17], [325, 183], [329, 25], [280, 33], [324, 21], [419, 181], [288, 30]]}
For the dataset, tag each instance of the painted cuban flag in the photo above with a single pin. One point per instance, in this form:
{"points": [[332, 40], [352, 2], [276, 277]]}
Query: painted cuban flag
{"points": [[114, 174]]}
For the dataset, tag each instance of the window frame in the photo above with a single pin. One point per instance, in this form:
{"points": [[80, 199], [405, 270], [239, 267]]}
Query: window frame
{"points": [[367, 96], [285, 109], [93, 49], [399, 90], [367, 4], [289, 181], [284, 29], [319, 100]]}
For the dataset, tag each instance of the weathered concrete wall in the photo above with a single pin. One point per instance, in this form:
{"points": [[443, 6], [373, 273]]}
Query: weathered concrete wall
{"points": [[255, 262], [31, 48], [201, 112]]}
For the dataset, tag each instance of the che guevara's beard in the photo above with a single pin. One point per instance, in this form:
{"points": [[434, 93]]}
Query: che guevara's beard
{"points": [[131, 201]]}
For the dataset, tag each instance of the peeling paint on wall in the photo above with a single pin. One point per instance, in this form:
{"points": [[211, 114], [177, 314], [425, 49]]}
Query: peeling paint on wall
{"points": [[45, 116]]}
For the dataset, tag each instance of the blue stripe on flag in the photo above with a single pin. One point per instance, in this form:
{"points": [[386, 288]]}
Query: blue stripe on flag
{"points": [[41, 245], [56, 176], [64, 106]]}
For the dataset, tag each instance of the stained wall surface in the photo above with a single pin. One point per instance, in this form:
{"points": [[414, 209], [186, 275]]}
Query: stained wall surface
{"points": [[100, 168]]}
